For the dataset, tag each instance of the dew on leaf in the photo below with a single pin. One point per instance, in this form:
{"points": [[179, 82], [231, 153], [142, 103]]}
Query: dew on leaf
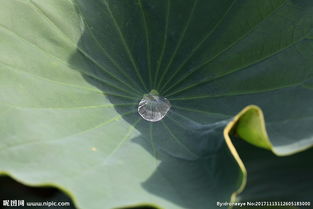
{"points": [[153, 107]]}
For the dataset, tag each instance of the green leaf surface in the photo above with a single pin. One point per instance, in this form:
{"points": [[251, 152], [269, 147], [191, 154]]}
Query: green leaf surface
{"points": [[273, 179], [74, 71]]}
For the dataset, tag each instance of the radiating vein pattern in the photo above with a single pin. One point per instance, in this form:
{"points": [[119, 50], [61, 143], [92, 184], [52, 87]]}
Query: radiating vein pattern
{"points": [[83, 51], [72, 73]]}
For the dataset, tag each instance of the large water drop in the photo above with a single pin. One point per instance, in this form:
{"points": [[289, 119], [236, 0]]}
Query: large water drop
{"points": [[153, 107]]}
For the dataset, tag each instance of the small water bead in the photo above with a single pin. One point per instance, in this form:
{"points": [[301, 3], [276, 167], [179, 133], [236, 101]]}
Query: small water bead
{"points": [[153, 107]]}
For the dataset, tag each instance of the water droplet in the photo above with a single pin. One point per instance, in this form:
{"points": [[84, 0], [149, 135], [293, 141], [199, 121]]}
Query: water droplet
{"points": [[153, 107]]}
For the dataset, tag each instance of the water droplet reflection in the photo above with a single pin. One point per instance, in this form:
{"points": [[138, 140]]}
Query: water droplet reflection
{"points": [[153, 107]]}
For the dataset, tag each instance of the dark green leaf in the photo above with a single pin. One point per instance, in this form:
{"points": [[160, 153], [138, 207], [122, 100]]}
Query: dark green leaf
{"points": [[74, 71]]}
